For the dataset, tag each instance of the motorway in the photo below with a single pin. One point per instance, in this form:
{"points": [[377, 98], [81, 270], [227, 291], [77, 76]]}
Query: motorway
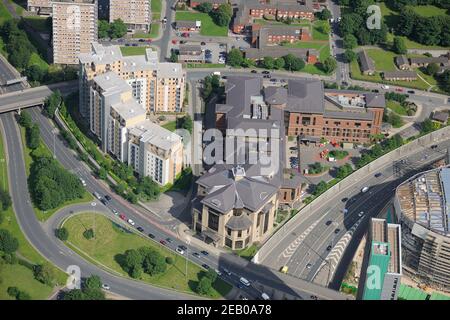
{"points": [[304, 248]]}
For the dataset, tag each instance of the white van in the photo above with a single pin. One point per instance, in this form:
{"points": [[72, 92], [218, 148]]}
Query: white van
{"points": [[83, 182], [245, 282], [265, 296], [216, 73]]}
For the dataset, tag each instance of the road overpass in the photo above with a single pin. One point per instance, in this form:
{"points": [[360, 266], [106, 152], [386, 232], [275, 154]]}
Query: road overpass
{"points": [[26, 98]]}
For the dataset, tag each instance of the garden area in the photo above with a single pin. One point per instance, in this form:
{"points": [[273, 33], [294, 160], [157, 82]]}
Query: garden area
{"points": [[116, 248], [156, 7], [317, 168], [133, 51], [208, 28]]}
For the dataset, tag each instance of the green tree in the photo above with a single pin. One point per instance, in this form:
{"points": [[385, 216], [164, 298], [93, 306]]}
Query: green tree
{"points": [[52, 103], [117, 29], [292, 63], [432, 69], [329, 65], [22, 295], [427, 126], [349, 55], [102, 173], [186, 123], [89, 234], [103, 29], [325, 14], [279, 63], [235, 57], [44, 273], [320, 188], [5, 199], [8, 243], [75, 294], [132, 260], [268, 62], [34, 73], [205, 7], [93, 282], [204, 286], [344, 171], [399, 46], [93, 294], [25, 119], [62, 234], [350, 41], [222, 15], [211, 275], [33, 137], [173, 56]]}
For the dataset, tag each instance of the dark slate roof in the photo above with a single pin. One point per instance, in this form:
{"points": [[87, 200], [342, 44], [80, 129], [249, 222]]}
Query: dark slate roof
{"points": [[305, 96], [185, 24], [441, 116], [365, 61], [399, 74], [375, 100], [188, 49], [239, 90], [227, 192], [401, 60], [275, 95], [239, 223], [425, 60]]}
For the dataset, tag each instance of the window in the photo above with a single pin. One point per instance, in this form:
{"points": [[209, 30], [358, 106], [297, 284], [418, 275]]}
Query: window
{"points": [[239, 234], [213, 221]]}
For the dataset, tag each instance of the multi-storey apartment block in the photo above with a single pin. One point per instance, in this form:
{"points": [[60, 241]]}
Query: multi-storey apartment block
{"points": [[74, 29], [157, 86], [41, 7], [120, 123], [136, 14]]}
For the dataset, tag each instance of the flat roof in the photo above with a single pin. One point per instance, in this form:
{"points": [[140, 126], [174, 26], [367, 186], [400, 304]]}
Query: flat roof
{"points": [[379, 258]]}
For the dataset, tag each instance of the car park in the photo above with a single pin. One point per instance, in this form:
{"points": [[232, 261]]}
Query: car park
{"points": [[140, 229], [130, 221]]}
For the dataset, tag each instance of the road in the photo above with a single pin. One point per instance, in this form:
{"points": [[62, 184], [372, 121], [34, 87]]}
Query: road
{"points": [[50, 248], [305, 247]]}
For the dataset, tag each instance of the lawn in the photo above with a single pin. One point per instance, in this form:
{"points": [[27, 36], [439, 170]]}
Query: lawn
{"points": [[384, 61], [248, 253], [317, 34], [209, 28], [4, 14], [171, 126], [429, 11], [111, 240], [43, 149], [156, 6], [133, 51], [38, 23], [396, 107], [36, 59], [21, 277], [154, 31], [204, 65]]}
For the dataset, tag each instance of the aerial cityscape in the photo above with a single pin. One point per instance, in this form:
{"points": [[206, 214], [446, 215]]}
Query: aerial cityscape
{"points": [[225, 150]]}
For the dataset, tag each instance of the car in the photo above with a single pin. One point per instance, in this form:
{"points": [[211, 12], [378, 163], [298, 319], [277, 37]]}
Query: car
{"points": [[149, 40], [169, 240], [115, 211], [411, 91], [105, 287], [293, 148], [361, 214], [242, 297], [141, 40], [244, 281], [183, 41], [344, 83], [329, 248], [162, 242], [224, 77], [182, 247], [265, 72], [336, 231], [226, 271], [385, 87], [140, 229], [254, 71], [376, 90], [179, 250], [218, 272], [130, 221], [273, 80], [313, 296], [203, 43], [434, 146], [151, 236], [308, 266], [97, 195], [205, 253], [197, 255], [344, 199], [284, 269], [378, 174], [108, 197], [365, 189], [174, 41], [328, 222], [83, 182], [127, 45], [241, 286], [123, 217], [164, 20], [205, 266], [399, 89], [134, 44], [104, 201]]}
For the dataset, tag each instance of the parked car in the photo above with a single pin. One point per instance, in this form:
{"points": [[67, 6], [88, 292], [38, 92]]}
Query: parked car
{"points": [[115, 211], [141, 40], [344, 199], [254, 71], [104, 201], [205, 266], [162, 242], [218, 272], [107, 197], [151, 236], [169, 240], [182, 247], [385, 87], [365, 189], [375, 90], [97, 195], [399, 89], [361, 214], [83, 182], [411, 91], [434, 146], [130, 221], [140, 229], [308, 266], [328, 222], [265, 72]]}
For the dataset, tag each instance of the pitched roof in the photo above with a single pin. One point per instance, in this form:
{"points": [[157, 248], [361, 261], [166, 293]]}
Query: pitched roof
{"points": [[365, 61], [305, 96], [399, 74]]}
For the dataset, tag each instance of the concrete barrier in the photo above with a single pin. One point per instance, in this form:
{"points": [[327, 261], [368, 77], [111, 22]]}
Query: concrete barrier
{"points": [[358, 175]]}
